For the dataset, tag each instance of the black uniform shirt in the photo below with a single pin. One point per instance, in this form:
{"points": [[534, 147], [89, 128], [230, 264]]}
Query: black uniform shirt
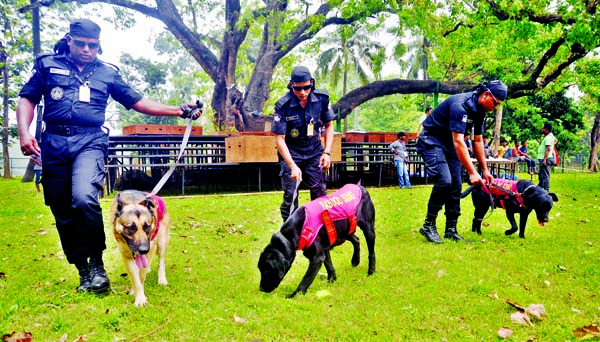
{"points": [[58, 80], [293, 121], [458, 113]]}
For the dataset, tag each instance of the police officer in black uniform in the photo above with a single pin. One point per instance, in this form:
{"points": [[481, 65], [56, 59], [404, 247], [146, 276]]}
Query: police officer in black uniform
{"points": [[442, 146], [298, 118], [75, 86]]}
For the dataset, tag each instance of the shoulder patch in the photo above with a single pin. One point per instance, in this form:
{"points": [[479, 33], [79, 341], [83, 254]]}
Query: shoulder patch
{"points": [[44, 55]]}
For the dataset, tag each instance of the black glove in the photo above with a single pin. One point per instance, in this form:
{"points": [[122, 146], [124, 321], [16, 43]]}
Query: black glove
{"points": [[191, 113]]}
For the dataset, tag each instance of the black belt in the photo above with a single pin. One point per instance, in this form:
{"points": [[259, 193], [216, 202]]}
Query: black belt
{"points": [[67, 130], [302, 142]]}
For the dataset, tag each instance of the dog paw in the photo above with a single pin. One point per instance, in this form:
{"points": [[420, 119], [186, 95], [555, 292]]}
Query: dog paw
{"points": [[332, 278], [140, 301], [510, 232], [163, 281]]}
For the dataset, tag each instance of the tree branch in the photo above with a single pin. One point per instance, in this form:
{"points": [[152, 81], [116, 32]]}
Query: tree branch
{"points": [[360, 95]]}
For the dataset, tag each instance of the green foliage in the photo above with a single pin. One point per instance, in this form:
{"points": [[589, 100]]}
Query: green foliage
{"points": [[391, 113], [523, 119]]}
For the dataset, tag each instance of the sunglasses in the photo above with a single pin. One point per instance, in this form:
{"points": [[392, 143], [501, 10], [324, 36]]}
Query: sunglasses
{"points": [[299, 88], [81, 44]]}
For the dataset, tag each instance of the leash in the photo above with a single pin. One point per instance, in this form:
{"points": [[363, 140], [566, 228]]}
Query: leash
{"points": [[294, 198], [188, 113], [165, 177]]}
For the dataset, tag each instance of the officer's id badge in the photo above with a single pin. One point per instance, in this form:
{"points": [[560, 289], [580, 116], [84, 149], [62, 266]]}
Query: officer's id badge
{"points": [[310, 129], [84, 92], [465, 118], [295, 133], [57, 93]]}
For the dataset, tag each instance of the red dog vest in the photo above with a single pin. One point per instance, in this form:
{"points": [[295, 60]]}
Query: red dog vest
{"points": [[323, 211], [502, 190]]}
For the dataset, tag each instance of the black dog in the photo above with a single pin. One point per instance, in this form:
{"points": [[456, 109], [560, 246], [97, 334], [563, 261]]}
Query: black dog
{"points": [[520, 197], [277, 257]]}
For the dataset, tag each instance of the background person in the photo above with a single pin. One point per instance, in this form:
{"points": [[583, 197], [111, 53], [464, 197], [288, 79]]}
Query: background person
{"points": [[427, 112], [442, 146], [530, 162], [545, 155], [75, 86], [401, 160], [37, 168], [297, 120], [502, 148], [486, 148]]}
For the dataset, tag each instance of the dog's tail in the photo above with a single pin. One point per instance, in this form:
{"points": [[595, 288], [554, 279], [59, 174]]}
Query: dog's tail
{"points": [[467, 192]]}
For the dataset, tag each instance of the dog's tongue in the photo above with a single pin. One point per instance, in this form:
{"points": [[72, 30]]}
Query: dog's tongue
{"points": [[141, 261], [541, 223]]}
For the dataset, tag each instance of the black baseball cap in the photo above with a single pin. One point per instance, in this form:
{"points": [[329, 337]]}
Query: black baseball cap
{"points": [[300, 74], [84, 28]]}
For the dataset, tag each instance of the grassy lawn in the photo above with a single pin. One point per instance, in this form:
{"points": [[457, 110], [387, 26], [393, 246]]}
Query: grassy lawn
{"points": [[421, 292]]}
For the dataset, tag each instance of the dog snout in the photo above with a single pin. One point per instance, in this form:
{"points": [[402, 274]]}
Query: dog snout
{"points": [[143, 248]]}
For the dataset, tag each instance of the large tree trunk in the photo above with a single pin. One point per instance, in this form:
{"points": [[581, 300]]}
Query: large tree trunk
{"points": [[497, 130], [594, 141]]}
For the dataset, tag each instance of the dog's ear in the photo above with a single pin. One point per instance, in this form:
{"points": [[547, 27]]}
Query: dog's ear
{"points": [[120, 204], [278, 238], [554, 197], [149, 203]]}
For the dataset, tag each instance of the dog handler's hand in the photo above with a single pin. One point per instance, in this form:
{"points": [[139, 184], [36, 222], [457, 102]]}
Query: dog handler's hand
{"points": [[29, 146], [325, 161], [488, 177], [476, 179], [296, 174], [191, 111]]}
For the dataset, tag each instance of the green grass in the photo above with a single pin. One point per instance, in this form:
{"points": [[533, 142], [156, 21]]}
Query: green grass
{"points": [[421, 292]]}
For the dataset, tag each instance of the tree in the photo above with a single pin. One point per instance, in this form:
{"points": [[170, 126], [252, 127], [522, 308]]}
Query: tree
{"points": [[351, 51], [527, 44], [588, 80], [13, 43]]}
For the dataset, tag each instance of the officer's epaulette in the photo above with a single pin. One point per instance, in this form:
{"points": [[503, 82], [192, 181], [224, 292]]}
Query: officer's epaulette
{"points": [[321, 92], [43, 55], [110, 65], [283, 100]]}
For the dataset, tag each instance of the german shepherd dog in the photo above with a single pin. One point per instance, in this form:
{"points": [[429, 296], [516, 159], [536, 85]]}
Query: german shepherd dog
{"points": [[277, 257], [141, 227]]}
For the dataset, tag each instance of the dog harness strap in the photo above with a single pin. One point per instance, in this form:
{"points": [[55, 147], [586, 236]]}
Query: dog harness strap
{"points": [[352, 221], [342, 204], [160, 212], [331, 233]]}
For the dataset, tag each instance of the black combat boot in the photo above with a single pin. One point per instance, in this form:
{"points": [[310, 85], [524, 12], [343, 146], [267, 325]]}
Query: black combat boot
{"points": [[429, 230], [451, 232], [85, 278], [100, 282]]}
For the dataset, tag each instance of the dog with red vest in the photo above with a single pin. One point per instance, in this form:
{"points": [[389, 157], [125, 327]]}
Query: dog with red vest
{"points": [[515, 197], [315, 228]]}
